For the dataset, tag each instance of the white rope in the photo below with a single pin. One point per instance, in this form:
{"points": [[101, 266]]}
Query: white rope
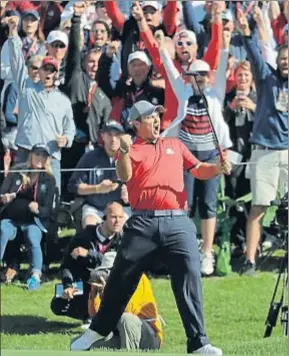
{"points": [[99, 169]]}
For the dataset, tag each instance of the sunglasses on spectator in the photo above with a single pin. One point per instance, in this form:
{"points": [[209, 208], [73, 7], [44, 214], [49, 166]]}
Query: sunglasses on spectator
{"points": [[49, 68], [188, 43], [98, 30], [99, 4], [149, 10], [57, 44], [200, 73], [33, 67]]}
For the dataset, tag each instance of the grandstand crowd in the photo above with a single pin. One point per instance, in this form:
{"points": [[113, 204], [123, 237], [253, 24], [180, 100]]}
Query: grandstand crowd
{"points": [[70, 73]]}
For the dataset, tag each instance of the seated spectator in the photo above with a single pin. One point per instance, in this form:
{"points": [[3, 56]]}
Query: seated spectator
{"points": [[83, 254], [100, 185], [138, 88], [46, 113], [26, 204], [139, 327], [91, 107], [196, 133]]}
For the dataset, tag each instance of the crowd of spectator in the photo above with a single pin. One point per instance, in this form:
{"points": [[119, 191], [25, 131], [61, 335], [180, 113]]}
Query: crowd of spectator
{"points": [[70, 73]]}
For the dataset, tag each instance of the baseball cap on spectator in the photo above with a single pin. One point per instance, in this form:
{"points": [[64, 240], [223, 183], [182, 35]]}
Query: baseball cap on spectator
{"points": [[31, 12], [144, 108], [185, 33], [57, 36], [155, 4], [198, 66], [10, 13], [113, 126], [227, 15], [140, 55], [48, 60], [40, 148]]}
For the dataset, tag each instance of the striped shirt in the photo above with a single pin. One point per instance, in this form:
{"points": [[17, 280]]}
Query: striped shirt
{"points": [[196, 132]]}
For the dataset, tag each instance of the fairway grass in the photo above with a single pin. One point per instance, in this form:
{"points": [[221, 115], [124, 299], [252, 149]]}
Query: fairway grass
{"points": [[235, 313]]}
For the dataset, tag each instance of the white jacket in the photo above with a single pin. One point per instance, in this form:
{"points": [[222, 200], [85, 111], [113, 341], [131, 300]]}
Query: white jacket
{"points": [[215, 96]]}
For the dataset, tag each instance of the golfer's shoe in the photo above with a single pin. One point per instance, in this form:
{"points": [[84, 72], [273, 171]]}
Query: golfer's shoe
{"points": [[85, 341], [208, 350]]}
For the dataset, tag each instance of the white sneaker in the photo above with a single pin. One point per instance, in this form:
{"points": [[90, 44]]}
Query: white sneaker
{"points": [[207, 264], [209, 350], [85, 341]]}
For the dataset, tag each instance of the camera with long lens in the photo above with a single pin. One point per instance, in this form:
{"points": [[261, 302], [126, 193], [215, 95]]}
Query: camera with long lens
{"points": [[277, 307], [282, 211]]}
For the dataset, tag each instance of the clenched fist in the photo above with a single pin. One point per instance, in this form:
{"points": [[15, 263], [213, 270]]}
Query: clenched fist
{"points": [[125, 143]]}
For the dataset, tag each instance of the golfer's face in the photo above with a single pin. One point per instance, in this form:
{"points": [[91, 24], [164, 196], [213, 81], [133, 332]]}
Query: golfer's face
{"points": [[150, 126]]}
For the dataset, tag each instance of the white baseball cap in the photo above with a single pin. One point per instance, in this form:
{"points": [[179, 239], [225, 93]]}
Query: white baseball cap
{"points": [[155, 4], [57, 36], [140, 55], [185, 33], [198, 66]]}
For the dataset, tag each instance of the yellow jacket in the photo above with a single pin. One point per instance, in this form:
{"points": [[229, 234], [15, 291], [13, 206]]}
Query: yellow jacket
{"points": [[141, 304]]}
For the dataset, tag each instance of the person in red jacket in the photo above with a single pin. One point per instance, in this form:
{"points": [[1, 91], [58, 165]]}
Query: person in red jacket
{"points": [[22, 6], [128, 31], [186, 52]]}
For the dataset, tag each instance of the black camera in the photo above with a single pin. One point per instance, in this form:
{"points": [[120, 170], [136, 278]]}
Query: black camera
{"points": [[282, 211]]}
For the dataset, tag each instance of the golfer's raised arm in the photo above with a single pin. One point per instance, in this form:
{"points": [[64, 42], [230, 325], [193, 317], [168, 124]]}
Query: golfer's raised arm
{"points": [[124, 165]]}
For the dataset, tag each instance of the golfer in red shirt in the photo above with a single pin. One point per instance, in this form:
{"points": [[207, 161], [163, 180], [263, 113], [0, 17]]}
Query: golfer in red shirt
{"points": [[153, 168]]}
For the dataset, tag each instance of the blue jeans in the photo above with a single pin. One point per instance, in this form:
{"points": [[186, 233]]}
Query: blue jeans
{"points": [[32, 234], [204, 192]]}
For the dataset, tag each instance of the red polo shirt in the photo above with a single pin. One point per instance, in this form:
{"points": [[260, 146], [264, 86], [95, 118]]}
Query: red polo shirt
{"points": [[157, 181]]}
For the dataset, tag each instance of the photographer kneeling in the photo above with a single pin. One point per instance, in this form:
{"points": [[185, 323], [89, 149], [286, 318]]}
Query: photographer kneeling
{"points": [[139, 327], [25, 203], [85, 253]]}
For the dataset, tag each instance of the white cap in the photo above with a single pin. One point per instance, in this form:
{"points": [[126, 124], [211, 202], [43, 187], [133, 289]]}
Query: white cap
{"points": [[198, 66], [155, 4], [228, 15], [185, 33], [140, 55], [57, 36]]}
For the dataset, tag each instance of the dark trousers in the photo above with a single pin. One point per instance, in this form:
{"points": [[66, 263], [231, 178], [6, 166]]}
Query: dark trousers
{"points": [[172, 240], [77, 308]]}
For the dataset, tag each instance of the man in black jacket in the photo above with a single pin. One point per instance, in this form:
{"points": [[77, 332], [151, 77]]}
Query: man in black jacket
{"points": [[83, 254], [100, 185], [91, 107]]}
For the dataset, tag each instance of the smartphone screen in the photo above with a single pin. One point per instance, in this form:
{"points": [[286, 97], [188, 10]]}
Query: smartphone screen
{"points": [[77, 285]]}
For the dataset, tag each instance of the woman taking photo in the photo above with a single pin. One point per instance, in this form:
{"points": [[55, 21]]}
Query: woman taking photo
{"points": [[25, 203]]}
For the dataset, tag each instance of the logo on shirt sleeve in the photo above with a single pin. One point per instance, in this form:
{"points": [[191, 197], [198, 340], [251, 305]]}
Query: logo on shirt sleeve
{"points": [[170, 151]]}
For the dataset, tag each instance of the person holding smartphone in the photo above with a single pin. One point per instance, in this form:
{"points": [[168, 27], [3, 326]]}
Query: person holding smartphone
{"points": [[83, 254]]}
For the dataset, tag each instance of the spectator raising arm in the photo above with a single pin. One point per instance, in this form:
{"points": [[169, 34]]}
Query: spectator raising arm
{"points": [[17, 62], [278, 20], [170, 17], [114, 13], [73, 63], [259, 67]]}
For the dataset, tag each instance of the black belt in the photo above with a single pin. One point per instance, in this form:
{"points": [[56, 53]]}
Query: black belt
{"points": [[263, 148], [159, 213]]}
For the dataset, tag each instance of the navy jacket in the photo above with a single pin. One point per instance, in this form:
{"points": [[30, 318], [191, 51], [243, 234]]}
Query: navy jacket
{"points": [[270, 125]]}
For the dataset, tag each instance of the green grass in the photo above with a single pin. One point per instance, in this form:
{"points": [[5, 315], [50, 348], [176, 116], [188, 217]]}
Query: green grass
{"points": [[235, 312]]}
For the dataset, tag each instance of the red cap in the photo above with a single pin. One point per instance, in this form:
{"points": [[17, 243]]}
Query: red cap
{"points": [[51, 60]]}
